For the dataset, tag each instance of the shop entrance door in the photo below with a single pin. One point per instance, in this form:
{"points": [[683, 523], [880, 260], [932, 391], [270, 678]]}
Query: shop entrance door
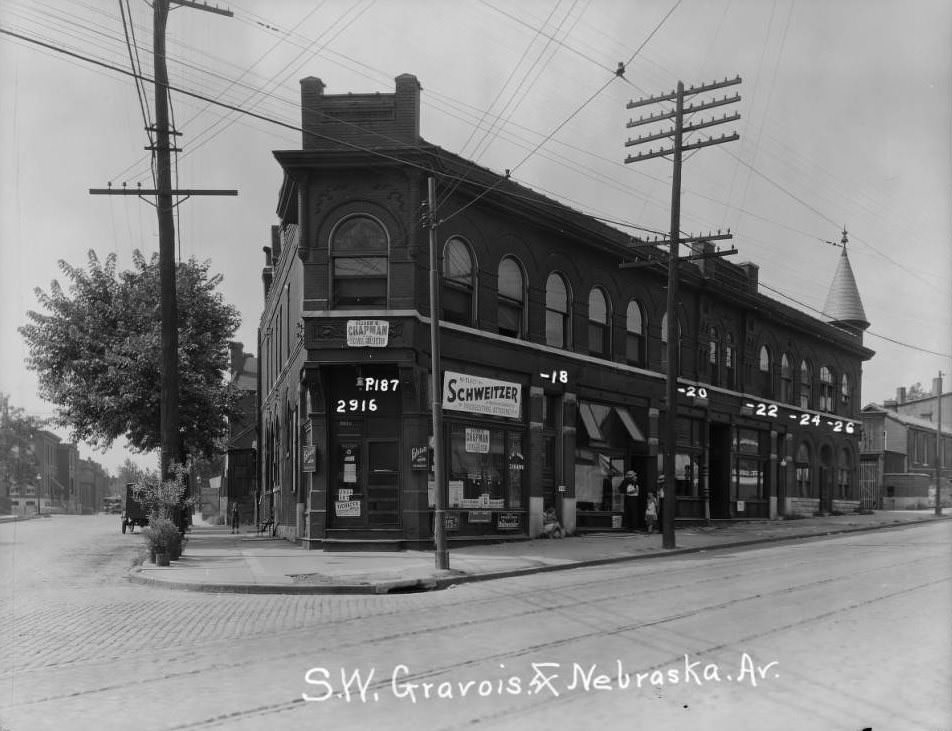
{"points": [[366, 490], [719, 475]]}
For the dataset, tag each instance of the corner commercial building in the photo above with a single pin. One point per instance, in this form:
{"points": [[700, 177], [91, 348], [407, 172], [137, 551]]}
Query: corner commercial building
{"points": [[553, 357]]}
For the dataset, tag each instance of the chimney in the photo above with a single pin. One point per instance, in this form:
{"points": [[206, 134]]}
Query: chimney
{"points": [[312, 97], [901, 395], [276, 242], [753, 274], [890, 405], [237, 355]]}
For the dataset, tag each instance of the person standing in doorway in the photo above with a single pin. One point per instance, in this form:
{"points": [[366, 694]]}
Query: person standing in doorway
{"points": [[235, 517], [629, 488]]}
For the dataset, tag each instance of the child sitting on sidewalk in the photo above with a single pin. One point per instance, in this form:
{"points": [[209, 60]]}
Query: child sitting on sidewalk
{"points": [[551, 527]]}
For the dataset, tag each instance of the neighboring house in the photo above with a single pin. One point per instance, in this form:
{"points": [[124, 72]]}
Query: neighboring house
{"points": [[553, 355], [239, 483], [93, 484], [898, 453], [65, 484]]}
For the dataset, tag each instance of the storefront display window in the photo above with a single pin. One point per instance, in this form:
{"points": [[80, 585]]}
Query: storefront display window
{"points": [[749, 464], [597, 477], [486, 470], [687, 470]]}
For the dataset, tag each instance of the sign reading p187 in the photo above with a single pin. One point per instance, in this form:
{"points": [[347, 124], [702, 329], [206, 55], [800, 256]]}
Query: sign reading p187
{"points": [[369, 390]]}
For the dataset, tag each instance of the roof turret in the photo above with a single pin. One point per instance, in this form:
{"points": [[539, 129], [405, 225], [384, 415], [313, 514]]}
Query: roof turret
{"points": [[843, 305]]}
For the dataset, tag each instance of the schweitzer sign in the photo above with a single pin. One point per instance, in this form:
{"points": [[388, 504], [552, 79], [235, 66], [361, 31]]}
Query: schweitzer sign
{"points": [[462, 392]]}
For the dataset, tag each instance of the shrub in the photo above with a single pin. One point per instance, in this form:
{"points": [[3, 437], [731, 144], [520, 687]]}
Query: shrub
{"points": [[161, 536]]}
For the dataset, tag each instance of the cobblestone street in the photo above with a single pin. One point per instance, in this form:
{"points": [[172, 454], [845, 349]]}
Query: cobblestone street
{"points": [[821, 637]]}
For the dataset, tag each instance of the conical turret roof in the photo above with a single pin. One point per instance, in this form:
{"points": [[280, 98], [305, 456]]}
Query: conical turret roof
{"points": [[843, 304]]}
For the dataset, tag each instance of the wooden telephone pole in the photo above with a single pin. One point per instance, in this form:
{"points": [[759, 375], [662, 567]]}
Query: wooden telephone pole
{"points": [[677, 148], [164, 193]]}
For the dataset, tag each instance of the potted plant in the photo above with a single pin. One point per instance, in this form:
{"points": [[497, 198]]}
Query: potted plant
{"points": [[163, 540]]}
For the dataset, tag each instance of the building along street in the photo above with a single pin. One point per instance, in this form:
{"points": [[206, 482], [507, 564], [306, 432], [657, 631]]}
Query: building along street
{"points": [[841, 633]]}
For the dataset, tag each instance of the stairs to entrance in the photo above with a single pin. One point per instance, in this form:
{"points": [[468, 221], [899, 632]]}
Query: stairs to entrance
{"points": [[368, 539]]}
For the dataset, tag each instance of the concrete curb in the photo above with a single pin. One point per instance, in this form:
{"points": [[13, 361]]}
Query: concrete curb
{"points": [[438, 582]]}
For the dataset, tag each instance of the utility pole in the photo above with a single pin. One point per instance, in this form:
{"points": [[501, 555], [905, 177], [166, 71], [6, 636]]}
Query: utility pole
{"points": [[938, 444], [168, 308], [677, 148], [436, 386]]}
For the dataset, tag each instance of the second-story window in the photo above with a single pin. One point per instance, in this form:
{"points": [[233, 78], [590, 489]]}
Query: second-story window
{"points": [[458, 282], [713, 356], [826, 390], [845, 392], [765, 380], [359, 263], [599, 329], [786, 380], [510, 313], [806, 385], [556, 312], [730, 359], [634, 334]]}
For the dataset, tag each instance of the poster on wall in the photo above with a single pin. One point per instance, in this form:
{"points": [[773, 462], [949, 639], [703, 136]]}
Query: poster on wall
{"points": [[476, 395], [508, 521], [308, 458], [479, 516]]}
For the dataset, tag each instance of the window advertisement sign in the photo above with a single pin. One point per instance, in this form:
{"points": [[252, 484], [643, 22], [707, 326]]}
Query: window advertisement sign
{"points": [[477, 395], [479, 516], [455, 493], [477, 441], [347, 508]]}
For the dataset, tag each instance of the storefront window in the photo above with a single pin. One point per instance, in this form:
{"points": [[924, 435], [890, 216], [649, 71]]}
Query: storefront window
{"points": [[597, 476], [750, 466], [486, 468], [687, 471]]}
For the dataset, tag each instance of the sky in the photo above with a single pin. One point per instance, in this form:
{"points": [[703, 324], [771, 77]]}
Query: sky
{"points": [[846, 121]]}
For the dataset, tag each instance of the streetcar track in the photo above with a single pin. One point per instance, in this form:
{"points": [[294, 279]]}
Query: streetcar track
{"points": [[532, 705], [537, 609]]}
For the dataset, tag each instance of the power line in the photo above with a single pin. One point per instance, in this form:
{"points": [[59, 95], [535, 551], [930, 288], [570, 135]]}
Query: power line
{"points": [[868, 332]]}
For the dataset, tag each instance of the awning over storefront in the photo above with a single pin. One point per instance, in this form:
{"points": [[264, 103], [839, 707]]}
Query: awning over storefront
{"points": [[630, 425], [590, 422]]}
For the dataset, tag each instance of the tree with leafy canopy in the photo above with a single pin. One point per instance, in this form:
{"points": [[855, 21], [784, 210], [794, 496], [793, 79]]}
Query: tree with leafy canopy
{"points": [[97, 351], [19, 463]]}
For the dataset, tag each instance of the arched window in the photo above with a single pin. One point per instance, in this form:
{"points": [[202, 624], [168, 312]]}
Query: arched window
{"points": [[730, 359], [556, 312], [510, 312], [599, 328], [713, 357], [786, 380], [765, 380], [803, 470], [826, 390], [359, 255], [845, 392], [635, 334], [844, 487], [458, 282], [806, 385]]}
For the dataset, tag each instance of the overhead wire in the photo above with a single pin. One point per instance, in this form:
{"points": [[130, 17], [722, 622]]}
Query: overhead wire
{"points": [[779, 186]]}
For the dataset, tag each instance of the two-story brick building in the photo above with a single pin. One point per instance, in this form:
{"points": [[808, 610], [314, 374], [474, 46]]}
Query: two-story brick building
{"points": [[900, 452], [553, 356]]}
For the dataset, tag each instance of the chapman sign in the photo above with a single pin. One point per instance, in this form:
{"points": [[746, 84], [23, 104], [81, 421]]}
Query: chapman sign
{"points": [[462, 392], [368, 333]]}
